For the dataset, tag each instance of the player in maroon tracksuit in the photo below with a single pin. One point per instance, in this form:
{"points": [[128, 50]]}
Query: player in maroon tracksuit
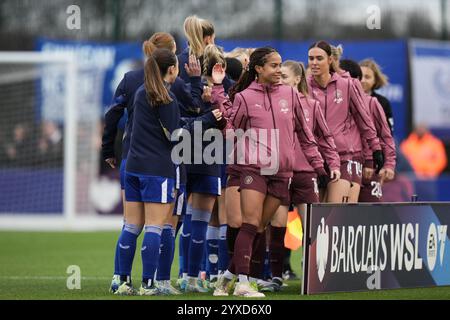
{"points": [[262, 104], [344, 109], [371, 190], [372, 183], [358, 151], [304, 187]]}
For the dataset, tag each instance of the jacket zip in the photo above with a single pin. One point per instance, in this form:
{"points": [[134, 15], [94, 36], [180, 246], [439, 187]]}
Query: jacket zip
{"points": [[273, 118], [271, 108]]}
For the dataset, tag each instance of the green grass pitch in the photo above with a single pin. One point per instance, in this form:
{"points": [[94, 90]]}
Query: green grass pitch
{"points": [[33, 266]]}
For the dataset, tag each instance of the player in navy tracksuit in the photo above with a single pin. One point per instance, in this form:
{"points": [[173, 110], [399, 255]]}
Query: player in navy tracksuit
{"points": [[123, 100], [150, 174], [216, 254], [188, 99], [203, 183]]}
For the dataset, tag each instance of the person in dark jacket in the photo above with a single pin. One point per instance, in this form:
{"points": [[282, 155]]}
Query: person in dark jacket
{"points": [[203, 180], [188, 98]]}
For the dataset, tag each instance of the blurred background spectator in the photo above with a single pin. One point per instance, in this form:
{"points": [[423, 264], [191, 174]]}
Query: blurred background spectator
{"points": [[427, 157], [20, 146], [425, 152], [50, 145]]}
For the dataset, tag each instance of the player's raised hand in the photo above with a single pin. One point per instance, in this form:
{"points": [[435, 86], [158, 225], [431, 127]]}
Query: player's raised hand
{"points": [[218, 73], [193, 69]]}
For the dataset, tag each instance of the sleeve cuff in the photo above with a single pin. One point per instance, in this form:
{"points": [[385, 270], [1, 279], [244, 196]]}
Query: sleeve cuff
{"points": [[196, 78], [321, 171], [335, 168]]}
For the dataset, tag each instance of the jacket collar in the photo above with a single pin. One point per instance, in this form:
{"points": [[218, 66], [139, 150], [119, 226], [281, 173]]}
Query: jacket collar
{"points": [[345, 74], [264, 87], [312, 81]]}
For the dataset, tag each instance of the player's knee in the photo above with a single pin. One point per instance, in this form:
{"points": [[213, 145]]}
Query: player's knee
{"points": [[253, 220]]}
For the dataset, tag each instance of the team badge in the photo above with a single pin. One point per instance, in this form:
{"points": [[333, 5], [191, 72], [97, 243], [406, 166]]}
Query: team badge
{"points": [[248, 180], [338, 96], [284, 107]]}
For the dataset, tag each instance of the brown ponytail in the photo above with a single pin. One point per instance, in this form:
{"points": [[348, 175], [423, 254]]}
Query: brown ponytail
{"points": [[303, 85], [160, 40], [155, 69]]}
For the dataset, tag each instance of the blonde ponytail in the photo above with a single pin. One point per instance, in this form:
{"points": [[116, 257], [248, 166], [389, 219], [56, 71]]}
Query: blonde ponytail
{"points": [[212, 55], [336, 54], [194, 34], [195, 29]]}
